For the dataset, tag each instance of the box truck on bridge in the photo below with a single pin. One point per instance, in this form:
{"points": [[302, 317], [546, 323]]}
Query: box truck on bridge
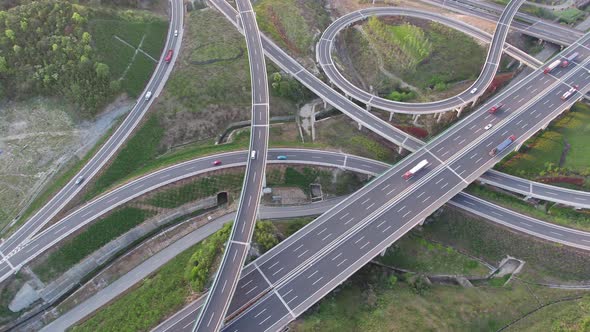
{"points": [[566, 61], [407, 175], [552, 66], [569, 92], [502, 145]]}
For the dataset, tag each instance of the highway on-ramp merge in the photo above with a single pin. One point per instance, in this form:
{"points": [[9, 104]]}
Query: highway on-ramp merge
{"points": [[389, 206], [236, 250]]}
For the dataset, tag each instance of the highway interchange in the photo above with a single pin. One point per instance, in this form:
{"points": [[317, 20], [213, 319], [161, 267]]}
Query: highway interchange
{"points": [[221, 291], [398, 205], [326, 60]]}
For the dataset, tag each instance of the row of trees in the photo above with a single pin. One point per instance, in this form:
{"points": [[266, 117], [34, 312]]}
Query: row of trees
{"points": [[45, 48]]}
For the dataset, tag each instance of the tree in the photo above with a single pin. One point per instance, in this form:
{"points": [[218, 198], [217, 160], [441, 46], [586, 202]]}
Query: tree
{"points": [[10, 34], [86, 37], [102, 70], [3, 65]]}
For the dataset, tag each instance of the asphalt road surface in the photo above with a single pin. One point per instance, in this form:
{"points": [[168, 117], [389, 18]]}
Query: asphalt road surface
{"points": [[337, 247], [155, 85], [525, 23], [111, 200], [325, 58], [236, 251]]}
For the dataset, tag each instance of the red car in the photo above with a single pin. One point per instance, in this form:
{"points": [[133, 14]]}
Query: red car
{"points": [[168, 57], [495, 109], [217, 162]]}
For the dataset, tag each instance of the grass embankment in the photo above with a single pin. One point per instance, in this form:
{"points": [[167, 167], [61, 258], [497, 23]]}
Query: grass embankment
{"points": [[302, 177], [366, 304], [550, 212], [220, 82], [140, 149], [292, 23], [420, 255], [545, 261], [419, 53], [203, 187], [136, 29], [170, 287], [571, 316], [542, 158], [339, 132], [88, 241]]}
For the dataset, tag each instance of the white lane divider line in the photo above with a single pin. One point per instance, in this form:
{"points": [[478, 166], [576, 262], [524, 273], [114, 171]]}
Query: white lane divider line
{"points": [[447, 166], [284, 303], [4, 258], [263, 276]]}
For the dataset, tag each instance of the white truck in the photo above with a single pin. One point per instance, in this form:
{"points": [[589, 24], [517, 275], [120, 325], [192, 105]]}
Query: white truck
{"points": [[407, 175]]}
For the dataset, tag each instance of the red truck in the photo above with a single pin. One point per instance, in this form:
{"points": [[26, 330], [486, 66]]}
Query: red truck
{"points": [[495, 108], [168, 57], [552, 66]]}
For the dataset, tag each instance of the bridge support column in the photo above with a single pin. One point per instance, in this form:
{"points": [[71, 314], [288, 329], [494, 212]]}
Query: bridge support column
{"points": [[368, 107], [518, 147], [360, 126], [459, 110], [416, 117], [325, 104], [263, 182], [474, 101], [400, 149], [390, 116], [421, 223], [347, 96], [439, 117], [541, 41], [545, 126]]}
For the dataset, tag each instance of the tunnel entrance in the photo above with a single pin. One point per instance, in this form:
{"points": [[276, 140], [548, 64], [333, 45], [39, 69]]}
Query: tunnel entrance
{"points": [[222, 198]]}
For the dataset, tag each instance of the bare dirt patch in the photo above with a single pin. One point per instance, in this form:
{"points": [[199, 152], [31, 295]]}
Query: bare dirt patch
{"points": [[37, 138]]}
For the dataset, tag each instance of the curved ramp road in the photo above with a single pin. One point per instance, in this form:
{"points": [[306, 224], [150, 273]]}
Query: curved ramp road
{"points": [[380, 217], [527, 24], [326, 45], [111, 200], [155, 85], [236, 250], [340, 102]]}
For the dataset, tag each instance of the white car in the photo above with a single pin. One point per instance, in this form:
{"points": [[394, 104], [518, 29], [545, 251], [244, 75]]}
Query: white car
{"points": [[473, 91], [148, 95], [79, 180], [175, 33], [488, 126]]}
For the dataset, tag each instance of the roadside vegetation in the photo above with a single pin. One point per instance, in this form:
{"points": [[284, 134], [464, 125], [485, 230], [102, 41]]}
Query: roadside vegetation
{"points": [[373, 302], [545, 262], [420, 255], [56, 48], [88, 241], [138, 29], [547, 211], [407, 59], [292, 23], [559, 155], [167, 290], [201, 188]]}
